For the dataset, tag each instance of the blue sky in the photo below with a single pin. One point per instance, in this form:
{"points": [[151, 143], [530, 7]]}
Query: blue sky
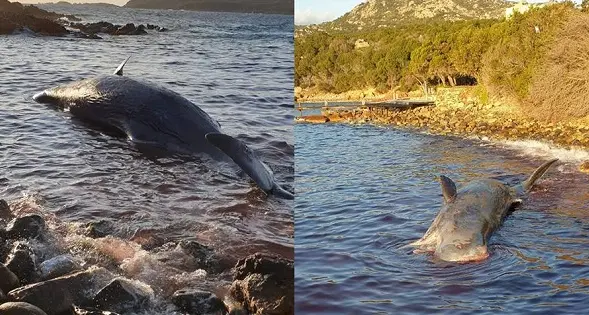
{"points": [[317, 11]]}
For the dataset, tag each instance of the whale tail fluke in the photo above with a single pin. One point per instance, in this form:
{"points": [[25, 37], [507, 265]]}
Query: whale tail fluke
{"points": [[247, 159], [527, 185]]}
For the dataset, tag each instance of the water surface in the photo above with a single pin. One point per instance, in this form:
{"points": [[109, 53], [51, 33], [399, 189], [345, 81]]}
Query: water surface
{"points": [[364, 192]]}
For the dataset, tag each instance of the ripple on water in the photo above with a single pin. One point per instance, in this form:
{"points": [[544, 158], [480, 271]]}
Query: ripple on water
{"points": [[363, 193]]}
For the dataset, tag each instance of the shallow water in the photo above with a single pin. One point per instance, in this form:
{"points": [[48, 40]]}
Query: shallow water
{"points": [[363, 192], [236, 67]]}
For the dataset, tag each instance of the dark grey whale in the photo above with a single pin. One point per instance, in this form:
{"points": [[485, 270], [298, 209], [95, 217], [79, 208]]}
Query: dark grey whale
{"points": [[461, 230], [154, 116]]}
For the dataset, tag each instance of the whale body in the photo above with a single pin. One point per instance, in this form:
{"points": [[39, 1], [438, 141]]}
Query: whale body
{"points": [[469, 215], [151, 115]]}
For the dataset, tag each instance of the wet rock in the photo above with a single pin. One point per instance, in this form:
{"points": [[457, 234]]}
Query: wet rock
{"points": [[100, 229], [58, 266], [122, 295], [203, 255], [22, 263], [151, 26], [161, 29], [264, 284], [8, 280], [30, 226], [5, 213], [79, 34], [76, 310], [3, 297], [130, 29], [57, 295], [148, 239], [20, 308], [198, 302], [11, 22]]}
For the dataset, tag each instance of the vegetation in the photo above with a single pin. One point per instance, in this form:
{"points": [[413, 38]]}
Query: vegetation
{"points": [[522, 58]]}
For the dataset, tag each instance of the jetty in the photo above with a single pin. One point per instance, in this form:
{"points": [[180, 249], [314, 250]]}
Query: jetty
{"points": [[376, 106]]}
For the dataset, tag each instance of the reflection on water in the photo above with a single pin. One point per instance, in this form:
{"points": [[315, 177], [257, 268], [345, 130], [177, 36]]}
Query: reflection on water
{"points": [[365, 192]]}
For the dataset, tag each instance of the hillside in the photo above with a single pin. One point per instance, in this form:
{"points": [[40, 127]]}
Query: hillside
{"points": [[251, 6], [383, 13]]}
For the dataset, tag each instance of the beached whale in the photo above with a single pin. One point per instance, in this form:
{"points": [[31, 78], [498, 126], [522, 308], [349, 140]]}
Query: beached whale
{"points": [[461, 230], [154, 116]]}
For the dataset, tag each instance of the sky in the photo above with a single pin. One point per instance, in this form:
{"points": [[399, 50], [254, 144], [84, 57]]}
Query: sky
{"points": [[317, 11]]}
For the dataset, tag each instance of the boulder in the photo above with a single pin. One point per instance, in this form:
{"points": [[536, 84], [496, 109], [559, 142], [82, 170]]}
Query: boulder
{"points": [[58, 266], [8, 280], [198, 302], [5, 213], [122, 295], [264, 284], [30, 226], [20, 308], [130, 29], [21, 262], [99, 229], [57, 295]]}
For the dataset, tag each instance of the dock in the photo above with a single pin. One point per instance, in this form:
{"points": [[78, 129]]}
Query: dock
{"points": [[379, 106]]}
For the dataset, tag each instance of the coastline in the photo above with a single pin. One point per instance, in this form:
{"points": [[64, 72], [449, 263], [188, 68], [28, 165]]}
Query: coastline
{"points": [[458, 112]]}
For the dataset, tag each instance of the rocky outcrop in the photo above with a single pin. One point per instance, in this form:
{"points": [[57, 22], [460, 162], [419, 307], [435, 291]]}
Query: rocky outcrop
{"points": [[252, 6], [386, 13], [57, 295], [264, 284], [198, 302], [14, 17], [20, 308]]}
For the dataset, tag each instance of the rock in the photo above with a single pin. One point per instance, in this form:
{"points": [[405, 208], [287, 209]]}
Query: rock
{"points": [[76, 310], [151, 26], [99, 229], [21, 262], [58, 266], [584, 167], [122, 295], [202, 254], [198, 302], [148, 239], [130, 29], [30, 226], [8, 280], [264, 284], [57, 295], [3, 297], [20, 308], [5, 212]]}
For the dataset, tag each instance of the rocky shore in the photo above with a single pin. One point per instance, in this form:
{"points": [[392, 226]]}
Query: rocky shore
{"points": [[50, 268], [458, 112], [15, 17]]}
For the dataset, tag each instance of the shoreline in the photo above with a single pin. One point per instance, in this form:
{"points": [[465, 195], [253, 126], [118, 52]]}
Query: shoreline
{"points": [[458, 113]]}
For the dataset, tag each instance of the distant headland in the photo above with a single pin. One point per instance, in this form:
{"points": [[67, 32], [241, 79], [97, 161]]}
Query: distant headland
{"points": [[251, 6]]}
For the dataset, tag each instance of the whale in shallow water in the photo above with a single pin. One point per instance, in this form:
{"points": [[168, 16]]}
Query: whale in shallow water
{"points": [[469, 215], [154, 116]]}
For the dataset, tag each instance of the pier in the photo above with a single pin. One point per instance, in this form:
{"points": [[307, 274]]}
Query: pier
{"points": [[378, 106]]}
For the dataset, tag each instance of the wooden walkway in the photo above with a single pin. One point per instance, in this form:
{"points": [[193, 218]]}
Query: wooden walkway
{"points": [[378, 106]]}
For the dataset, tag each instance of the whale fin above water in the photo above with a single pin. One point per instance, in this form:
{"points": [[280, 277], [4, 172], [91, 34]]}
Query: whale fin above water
{"points": [[119, 70], [527, 185], [247, 159], [448, 188]]}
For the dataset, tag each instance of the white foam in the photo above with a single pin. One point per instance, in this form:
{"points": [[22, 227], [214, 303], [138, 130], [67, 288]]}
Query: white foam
{"points": [[546, 150]]}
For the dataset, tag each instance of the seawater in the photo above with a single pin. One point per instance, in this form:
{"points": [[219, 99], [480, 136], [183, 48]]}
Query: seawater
{"points": [[365, 192], [236, 67]]}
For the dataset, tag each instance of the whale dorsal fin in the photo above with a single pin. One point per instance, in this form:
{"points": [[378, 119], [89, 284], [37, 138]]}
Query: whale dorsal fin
{"points": [[448, 188], [119, 70], [249, 162]]}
